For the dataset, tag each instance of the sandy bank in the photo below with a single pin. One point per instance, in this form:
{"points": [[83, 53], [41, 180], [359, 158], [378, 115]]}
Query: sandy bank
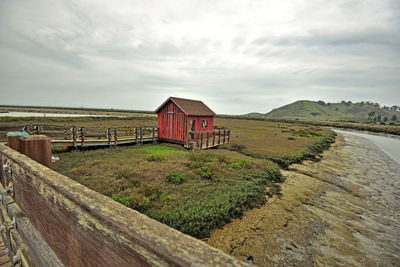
{"points": [[332, 212]]}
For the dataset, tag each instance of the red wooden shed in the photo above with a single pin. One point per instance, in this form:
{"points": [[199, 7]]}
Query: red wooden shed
{"points": [[178, 116]]}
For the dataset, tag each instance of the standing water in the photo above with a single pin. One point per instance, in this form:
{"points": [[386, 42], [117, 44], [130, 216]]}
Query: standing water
{"points": [[389, 145], [40, 114]]}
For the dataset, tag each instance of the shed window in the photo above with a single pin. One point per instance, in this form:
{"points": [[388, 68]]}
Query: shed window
{"points": [[203, 124]]}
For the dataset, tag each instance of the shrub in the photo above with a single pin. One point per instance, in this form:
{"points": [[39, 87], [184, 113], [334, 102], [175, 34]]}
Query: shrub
{"points": [[139, 202], [199, 216], [149, 189], [204, 172], [176, 177], [195, 164], [123, 200], [211, 171], [155, 158], [165, 196], [238, 164]]}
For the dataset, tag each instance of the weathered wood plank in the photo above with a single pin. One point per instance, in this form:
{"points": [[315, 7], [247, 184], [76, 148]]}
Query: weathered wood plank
{"points": [[115, 137], [213, 133], [34, 251], [201, 140], [74, 135], [82, 136], [109, 137]]}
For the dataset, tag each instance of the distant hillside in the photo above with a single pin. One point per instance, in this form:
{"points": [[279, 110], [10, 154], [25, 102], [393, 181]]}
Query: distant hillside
{"points": [[312, 110]]}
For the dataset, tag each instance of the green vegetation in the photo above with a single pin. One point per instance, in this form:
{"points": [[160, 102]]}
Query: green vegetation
{"points": [[176, 177], [193, 192], [319, 110]]}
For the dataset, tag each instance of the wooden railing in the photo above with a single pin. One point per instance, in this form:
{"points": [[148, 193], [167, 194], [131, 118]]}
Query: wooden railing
{"points": [[79, 137], [95, 136], [204, 140]]}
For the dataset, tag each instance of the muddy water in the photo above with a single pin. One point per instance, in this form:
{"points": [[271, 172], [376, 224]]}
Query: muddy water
{"points": [[39, 114], [387, 143], [343, 210]]}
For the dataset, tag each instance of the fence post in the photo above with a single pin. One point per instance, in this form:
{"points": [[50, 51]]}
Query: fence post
{"points": [[219, 136], [208, 136], [224, 134], [201, 140], [26, 129], [13, 140], [74, 136], [136, 134], [82, 136], [141, 135], [109, 136], [154, 136], [229, 135], [196, 134], [38, 148], [213, 133], [115, 137]]}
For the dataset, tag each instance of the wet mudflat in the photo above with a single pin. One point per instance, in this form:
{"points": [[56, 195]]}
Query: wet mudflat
{"points": [[343, 210]]}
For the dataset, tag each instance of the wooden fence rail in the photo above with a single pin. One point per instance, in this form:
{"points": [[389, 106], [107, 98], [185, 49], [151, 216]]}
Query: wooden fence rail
{"points": [[78, 137], [204, 140]]}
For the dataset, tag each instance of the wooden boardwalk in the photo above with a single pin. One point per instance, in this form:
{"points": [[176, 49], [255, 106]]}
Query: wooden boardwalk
{"points": [[80, 137]]}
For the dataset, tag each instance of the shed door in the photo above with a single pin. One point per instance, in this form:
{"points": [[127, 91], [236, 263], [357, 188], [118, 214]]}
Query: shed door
{"points": [[170, 125], [175, 125]]}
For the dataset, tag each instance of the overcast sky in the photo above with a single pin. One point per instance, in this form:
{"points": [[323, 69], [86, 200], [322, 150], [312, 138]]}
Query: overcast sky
{"points": [[236, 56]]}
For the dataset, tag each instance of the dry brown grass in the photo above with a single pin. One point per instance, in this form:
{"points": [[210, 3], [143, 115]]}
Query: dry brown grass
{"points": [[271, 139]]}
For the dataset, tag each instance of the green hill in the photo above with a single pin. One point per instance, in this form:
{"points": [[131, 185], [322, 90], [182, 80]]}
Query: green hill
{"points": [[313, 110]]}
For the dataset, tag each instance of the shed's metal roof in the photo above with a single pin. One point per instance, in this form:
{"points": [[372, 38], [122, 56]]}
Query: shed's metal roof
{"points": [[189, 106]]}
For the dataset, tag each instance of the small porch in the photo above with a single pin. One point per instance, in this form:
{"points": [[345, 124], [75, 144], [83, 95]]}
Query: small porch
{"points": [[204, 140]]}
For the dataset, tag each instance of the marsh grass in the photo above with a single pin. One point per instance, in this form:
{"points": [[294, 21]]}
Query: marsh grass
{"points": [[193, 192], [283, 143]]}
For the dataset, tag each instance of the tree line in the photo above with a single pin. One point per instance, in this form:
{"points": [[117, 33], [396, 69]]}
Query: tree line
{"points": [[362, 103]]}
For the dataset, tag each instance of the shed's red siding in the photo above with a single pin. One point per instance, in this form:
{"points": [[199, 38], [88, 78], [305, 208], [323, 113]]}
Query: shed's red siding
{"points": [[173, 124], [198, 120]]}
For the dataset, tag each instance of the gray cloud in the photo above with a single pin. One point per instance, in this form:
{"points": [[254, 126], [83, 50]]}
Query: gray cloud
{"points": [[237, 56]]}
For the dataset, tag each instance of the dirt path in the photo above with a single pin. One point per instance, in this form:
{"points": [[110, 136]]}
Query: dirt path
{"points": [[342, 210]]}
